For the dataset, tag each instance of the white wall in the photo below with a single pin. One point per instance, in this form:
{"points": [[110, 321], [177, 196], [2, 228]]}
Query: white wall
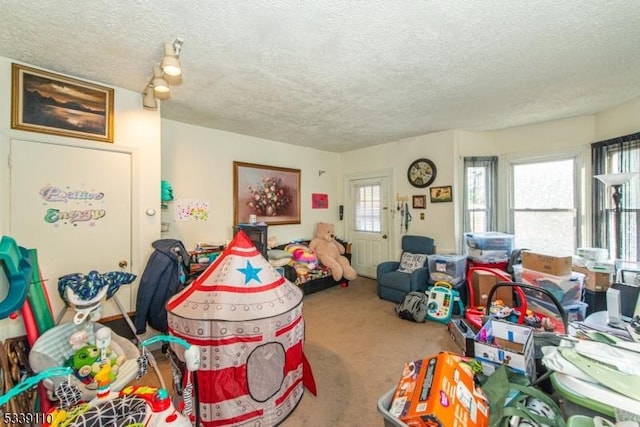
{"points": [[134, 128], [198, 163], [621, 120], [448, 148], [439, 147]]}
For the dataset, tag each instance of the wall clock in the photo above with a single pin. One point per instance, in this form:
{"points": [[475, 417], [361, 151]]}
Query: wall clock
{"points": [[421, 173]]}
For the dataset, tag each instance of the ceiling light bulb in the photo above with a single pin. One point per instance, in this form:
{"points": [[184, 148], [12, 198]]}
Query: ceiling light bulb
{"points": [[160, 85], [170, 64]]}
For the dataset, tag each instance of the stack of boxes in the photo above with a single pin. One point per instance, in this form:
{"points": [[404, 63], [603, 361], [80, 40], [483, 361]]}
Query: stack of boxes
{"points": [[554, 273], [599, 271], [489, 250]]}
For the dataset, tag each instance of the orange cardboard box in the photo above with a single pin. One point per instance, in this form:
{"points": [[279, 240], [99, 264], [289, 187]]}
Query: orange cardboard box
{"points": [[440, 391]]}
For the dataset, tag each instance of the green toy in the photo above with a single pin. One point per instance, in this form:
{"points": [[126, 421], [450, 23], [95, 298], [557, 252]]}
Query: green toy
{"points": [[86, 362]]}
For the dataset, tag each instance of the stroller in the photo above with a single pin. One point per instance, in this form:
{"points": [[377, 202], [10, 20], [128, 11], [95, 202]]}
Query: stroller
{"points": [[534, 305]]}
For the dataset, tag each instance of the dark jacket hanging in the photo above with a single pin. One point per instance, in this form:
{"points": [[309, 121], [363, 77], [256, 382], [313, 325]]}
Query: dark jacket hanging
{"points": [[162, 278]]}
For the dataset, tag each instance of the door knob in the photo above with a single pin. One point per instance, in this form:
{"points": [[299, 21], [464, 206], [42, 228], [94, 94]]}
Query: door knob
{"points": [[384, 236], [123, 263]]}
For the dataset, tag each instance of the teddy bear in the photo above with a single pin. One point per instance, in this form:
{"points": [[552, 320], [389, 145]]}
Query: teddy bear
{"points": [[330, 252]]}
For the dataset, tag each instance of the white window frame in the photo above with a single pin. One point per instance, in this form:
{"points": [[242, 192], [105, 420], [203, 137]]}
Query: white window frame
{"points": [[582, 170]]}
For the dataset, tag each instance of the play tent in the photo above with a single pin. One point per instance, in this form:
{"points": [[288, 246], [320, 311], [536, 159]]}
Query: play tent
{"points": [[247, 320]]}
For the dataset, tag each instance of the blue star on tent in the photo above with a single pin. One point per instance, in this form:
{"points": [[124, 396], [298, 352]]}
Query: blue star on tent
{"points": [[250, 272]]}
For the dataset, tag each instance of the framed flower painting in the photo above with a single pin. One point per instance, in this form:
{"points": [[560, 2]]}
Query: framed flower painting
{"points": [[270, 193]]}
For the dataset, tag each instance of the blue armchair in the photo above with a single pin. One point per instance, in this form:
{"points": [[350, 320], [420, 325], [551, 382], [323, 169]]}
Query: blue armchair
{"points": [[393, 284]]}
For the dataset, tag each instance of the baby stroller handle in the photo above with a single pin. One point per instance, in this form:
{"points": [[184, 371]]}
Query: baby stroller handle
{"points": [[518, 288], [166, 338]]}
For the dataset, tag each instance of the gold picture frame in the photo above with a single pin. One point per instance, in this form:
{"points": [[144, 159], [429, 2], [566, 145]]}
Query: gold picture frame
{"points": [[441, 194], [45, 102], [270, 193], [419, 202]]}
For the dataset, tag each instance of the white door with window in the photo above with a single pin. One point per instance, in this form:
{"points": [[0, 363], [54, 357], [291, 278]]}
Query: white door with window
{"points": [[367, 223], [73, 205]]}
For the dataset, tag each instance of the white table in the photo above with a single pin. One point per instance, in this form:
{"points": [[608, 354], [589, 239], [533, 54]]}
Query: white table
{"points": [[600, 322]]}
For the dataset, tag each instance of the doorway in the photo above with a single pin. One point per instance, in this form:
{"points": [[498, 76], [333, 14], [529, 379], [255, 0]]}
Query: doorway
{"points": [[73, 205], [368, 217]]}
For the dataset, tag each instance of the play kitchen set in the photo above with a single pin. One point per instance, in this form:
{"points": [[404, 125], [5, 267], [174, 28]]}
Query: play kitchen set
{"points": [[532, 326]]}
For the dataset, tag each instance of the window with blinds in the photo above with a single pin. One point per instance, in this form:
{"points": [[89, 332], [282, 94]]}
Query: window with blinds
{"points": [[368, 208]]}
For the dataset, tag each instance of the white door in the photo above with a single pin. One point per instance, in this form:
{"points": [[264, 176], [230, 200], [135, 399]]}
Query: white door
{"points": [[368, 220], [73, 205]]}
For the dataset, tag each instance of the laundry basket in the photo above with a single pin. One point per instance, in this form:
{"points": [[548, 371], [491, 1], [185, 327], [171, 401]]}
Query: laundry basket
{"points": [[384, 403], [53, 348]]}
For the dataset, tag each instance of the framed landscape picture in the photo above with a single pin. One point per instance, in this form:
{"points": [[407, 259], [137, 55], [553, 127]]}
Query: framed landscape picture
{"points": [[440, 194], [50, 103], [270, 193]]}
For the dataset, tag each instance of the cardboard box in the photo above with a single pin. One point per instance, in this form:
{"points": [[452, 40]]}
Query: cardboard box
{"points": [[594, 281], [462, 335], [439, 390], [483, 281], [547, 263], [504, 343]]}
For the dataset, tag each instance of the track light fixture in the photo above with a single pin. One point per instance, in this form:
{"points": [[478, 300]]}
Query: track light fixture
{"points": [[170, 64], [168, 72], [149, 101]]}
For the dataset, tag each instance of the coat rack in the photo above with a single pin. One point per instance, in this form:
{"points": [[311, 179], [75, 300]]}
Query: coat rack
{"points": [[402, 205]]}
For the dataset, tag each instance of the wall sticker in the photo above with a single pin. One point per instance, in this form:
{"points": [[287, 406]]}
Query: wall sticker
{"points": [[72, 206]]}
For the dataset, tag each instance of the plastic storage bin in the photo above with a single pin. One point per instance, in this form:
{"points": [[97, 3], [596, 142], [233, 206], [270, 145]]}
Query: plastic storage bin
{"points": [[567, 289], [491, 247], [384, 403], [490, 241], [449, 268]]}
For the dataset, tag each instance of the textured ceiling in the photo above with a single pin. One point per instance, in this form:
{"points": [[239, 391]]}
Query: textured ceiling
{"points": [[339, 74]]}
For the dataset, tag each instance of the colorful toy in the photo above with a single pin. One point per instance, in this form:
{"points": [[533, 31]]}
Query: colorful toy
{"points": [[442, 298], [303, 259]]}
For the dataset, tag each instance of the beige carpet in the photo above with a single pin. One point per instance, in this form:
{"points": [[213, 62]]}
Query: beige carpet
{"points": [[357, 347]]}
